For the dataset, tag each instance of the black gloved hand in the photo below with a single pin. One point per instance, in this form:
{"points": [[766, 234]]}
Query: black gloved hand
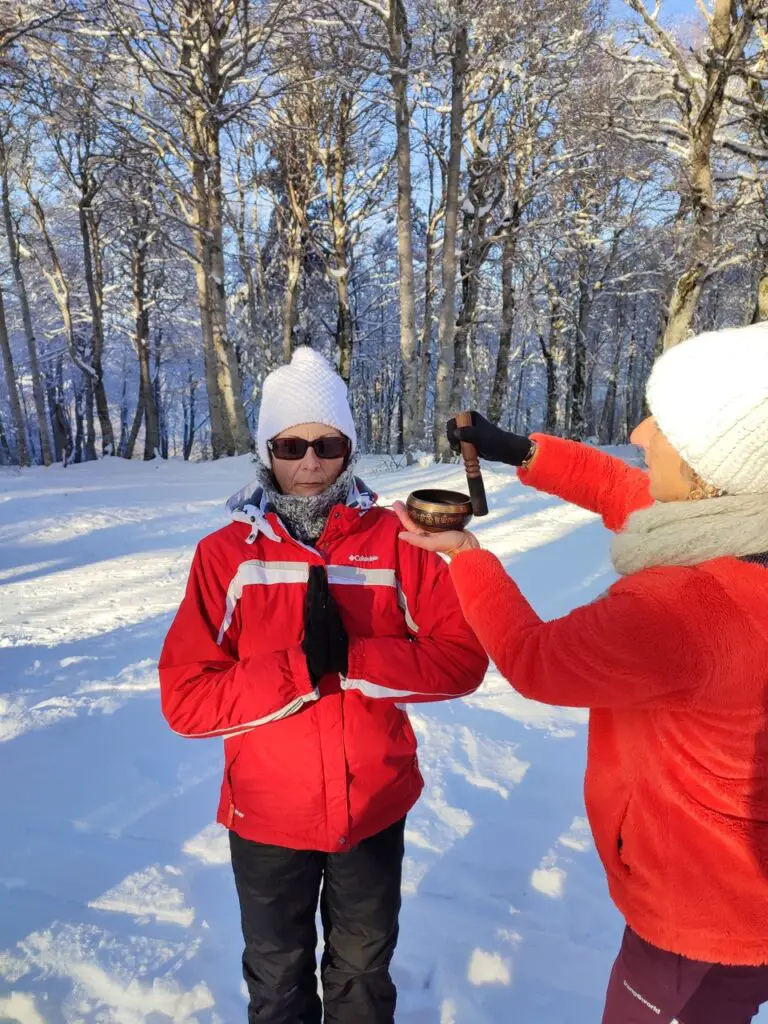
{"points": [[492, 442], [325, 644]]}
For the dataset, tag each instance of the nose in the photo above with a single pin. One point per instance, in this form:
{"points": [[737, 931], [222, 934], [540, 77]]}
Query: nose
{"points": [[641, 435], [311, 460]]}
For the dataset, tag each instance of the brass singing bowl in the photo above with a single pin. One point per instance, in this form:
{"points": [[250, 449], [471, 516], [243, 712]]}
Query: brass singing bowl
{"points": [[436, 511]]}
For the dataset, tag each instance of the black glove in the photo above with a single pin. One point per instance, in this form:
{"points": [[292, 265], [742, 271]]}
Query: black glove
{"points": [[325, 644], [492, 443]]}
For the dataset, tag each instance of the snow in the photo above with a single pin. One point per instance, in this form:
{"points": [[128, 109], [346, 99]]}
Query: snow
{"points": [[117, 900]]}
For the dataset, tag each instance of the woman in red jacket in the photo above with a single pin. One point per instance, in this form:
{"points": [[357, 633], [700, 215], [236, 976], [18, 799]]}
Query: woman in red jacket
{"points": [[304, 628], [673, 663]]}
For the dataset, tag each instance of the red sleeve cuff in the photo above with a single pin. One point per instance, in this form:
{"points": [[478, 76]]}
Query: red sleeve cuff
{"points": [[552, 454]]}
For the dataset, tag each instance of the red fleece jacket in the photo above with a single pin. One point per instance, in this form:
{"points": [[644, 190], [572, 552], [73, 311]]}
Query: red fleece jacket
{"points": [[673, 663]]}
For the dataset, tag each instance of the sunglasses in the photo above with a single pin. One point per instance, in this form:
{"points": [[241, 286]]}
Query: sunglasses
{"points": [[294, 448]]}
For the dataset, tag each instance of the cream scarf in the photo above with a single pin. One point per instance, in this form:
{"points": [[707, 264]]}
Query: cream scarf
{"points": [[690, 532]]}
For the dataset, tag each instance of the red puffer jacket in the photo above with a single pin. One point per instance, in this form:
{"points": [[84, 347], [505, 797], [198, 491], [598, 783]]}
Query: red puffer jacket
{"points": [[307, 768], [673, 662]]}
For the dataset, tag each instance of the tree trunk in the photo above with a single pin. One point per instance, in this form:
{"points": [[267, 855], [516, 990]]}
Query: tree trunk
{"points": [[189, 417], [501, 377], [446, 366], [6, 455], [291, 298], [155, 384], [62, 432], [515, 420], [578, 393], [226, 363], [146, 407], [344, 330], [552, 350], [250, 279], [151, 414], [632, 401], [470, 293], [77, 447], [85, 216], [425, 355], [474, 251], [608, 417], [206, 224], [38, 382], [121, 444], [729, 38], [336, 190], [578, 381], [19, 425], [435, 213], [138, 418], [222, 442], [90, 426], [399, 58], [550, 421], [760, 309]]}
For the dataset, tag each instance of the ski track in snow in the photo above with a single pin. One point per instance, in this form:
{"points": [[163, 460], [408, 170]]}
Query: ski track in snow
{"points": [[117, 901]]}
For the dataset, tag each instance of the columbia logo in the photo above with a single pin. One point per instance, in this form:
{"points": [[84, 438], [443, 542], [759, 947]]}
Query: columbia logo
{"points": [[363, 558]]}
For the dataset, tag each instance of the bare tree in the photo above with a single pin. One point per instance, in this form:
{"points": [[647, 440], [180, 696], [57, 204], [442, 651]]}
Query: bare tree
{"points": [[433, 216], [206, 62], [387, 33], [76, 133], [12, 388], [446, 339], [18, 23], [48, 259], [25, 18], [12, 237], [676, 101], [294, 148], [354, 168], [138, 239]]}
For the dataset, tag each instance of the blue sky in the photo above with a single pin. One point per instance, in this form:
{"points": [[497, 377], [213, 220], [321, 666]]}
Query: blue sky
{"points": [[670, 8]]}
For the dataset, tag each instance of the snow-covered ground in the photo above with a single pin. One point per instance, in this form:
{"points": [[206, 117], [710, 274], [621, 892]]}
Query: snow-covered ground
{"points": [[116, 901]]}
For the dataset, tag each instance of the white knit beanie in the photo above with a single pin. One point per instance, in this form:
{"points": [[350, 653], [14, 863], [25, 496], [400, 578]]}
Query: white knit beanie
{"points": [[709, 396], [307, 390]]}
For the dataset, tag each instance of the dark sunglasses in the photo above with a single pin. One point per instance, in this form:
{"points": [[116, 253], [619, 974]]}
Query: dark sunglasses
{"points": [[294, 448]]}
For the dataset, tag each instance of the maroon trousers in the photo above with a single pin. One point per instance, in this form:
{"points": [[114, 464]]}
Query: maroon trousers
{"points": [[649, 985]]}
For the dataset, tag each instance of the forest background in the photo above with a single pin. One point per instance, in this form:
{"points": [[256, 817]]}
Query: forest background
{"points": [[462, 203]]}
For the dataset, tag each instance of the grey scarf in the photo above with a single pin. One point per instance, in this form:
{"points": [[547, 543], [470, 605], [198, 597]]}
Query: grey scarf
{"points": [[690, 532], [305, 516]]}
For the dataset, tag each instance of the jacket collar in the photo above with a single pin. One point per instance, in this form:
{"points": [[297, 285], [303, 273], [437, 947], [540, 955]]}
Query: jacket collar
{"points": [[250, 505]]}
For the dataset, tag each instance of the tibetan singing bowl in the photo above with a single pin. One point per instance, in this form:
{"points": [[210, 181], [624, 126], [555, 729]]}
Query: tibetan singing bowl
{"points": [[436, 510]]}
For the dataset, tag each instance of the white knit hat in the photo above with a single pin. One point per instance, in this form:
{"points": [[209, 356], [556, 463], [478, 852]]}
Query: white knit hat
{"points": [[709, 396], [307, 390]]}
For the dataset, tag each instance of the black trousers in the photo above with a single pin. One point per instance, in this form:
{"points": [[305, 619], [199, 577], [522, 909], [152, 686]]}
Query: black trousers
{"points": [[359, 894]]}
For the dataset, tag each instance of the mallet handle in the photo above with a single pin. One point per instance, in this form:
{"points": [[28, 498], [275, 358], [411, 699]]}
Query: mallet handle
{"points": [[472, 467]]}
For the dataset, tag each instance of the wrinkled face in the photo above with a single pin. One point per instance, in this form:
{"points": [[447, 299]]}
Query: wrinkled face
{"points": [[310, 474], [671, 478]]}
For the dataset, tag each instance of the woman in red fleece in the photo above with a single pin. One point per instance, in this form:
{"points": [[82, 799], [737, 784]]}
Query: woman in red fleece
{"points": [[673, 663]]}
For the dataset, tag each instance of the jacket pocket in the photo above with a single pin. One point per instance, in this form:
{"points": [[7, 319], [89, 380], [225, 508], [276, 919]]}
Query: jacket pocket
{"points": [[621, 837], [232, 749], [406, 728]]}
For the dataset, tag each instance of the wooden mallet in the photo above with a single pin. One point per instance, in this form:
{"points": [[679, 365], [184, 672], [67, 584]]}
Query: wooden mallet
{"points": [[475, 483]]}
